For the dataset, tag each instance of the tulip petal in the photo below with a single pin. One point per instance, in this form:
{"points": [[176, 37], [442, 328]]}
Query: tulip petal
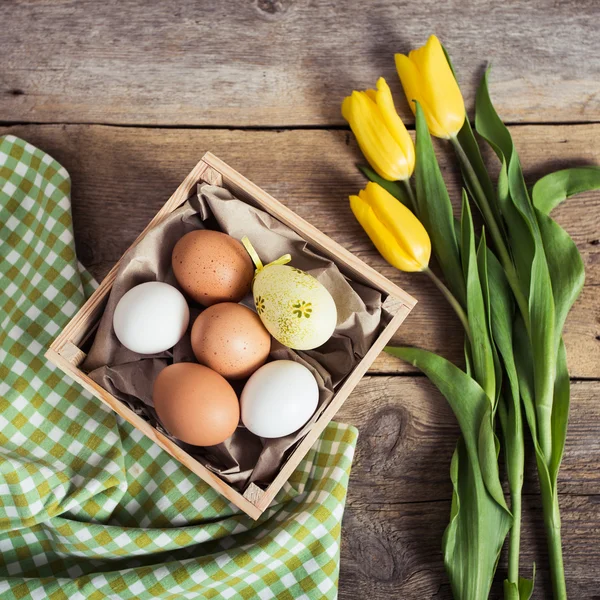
{"points": [[410, 78], [394, 123], [441, 86], [372, 94], [402, 224], [430, 81], [416, 88], [376, 142], [346, 108], [382, 239]]}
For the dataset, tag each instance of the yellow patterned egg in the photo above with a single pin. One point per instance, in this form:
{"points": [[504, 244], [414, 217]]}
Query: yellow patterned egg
{"points": [[296, 309]]}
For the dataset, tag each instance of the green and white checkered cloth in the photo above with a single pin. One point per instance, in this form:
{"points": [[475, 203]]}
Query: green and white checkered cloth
{"points": [[89, 507]]}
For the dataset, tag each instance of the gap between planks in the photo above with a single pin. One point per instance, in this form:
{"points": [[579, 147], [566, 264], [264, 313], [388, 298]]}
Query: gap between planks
{"points": [[420, 374], [274, 128], [362, 503]]}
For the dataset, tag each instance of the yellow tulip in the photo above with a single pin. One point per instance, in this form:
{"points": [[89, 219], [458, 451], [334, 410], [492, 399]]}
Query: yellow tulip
{"points": [[381, 135], [398, 235], [427, 77]]}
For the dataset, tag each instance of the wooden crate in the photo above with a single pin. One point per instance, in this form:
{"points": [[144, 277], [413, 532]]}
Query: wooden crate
{"points": [[66, 353]]}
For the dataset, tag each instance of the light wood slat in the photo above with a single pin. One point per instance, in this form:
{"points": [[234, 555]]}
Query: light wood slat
{"points": [[399, 495], [407, 434], [122, 176], [394, 550], [284, 62]]}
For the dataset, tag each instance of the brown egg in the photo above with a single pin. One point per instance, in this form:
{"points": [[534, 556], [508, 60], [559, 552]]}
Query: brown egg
{"points": [[212, 267], [230, 339], [195, 404]]}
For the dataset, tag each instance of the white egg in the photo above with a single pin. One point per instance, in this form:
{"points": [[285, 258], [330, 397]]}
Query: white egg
{"points": [[279, 398], [151, 317]]}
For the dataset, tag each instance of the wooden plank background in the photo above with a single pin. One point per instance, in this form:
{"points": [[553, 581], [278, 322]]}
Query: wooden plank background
{"points": [[128, 96]]}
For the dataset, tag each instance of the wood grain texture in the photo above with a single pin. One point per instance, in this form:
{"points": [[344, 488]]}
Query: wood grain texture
{"points": [[408, 433], [399, 495], [122, 176], [394, 550], [271, 63], [283, 62]]}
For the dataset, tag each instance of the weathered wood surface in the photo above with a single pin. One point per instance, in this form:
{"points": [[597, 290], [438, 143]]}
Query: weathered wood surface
{"points": [[399, 494], [283, 62], [122, 176], [393, 550], [288, 63]]}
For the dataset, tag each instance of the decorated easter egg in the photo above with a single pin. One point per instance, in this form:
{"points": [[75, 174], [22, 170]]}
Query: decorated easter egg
{"points": [[296, 309]]}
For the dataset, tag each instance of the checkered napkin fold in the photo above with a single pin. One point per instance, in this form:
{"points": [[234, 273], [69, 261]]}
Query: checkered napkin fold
{"points": [[90, 508]]}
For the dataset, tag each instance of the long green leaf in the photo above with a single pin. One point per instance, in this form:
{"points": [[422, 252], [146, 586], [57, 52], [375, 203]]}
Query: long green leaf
{"points": [[544, 325], [568, 275], [551, 190], [483, 252], [480, 518], [541, 317], [434, 210], [560, 413], [490, 127], [502, 311], [566, 269], [546, 475], [481, 348], [467, 140]]}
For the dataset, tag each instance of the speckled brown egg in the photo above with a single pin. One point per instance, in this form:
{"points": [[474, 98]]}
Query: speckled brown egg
{"points": [[195, 404], [230, 339], [212, 267]]}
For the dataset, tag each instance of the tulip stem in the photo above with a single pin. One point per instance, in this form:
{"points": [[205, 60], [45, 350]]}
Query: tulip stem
{"points": [[493, 228], [411, 196], [454, 303]]}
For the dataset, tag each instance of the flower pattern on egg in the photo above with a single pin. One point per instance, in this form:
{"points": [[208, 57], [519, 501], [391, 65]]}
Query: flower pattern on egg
{"points": [[259, 302], [302, 309]]}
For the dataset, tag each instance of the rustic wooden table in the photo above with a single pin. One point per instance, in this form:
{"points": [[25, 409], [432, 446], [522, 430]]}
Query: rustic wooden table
{"points": [[129, 95]]}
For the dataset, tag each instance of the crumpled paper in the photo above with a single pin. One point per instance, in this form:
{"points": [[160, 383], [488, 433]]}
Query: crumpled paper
{"points": [[128, 376]]}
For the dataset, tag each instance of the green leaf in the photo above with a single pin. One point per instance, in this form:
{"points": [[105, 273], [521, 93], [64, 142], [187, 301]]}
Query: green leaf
{"points": [[547, 479], [521, 591], [502, 310], [492, 129], [481, 349], [560, 413], [502, 314], [509, 410], [527, 245], [467, 140], [488, 124], [479, 519], [542, 322], [526, 586], [556, 187], [482, 266], [395, 188], [566, 270], [434, 210]]}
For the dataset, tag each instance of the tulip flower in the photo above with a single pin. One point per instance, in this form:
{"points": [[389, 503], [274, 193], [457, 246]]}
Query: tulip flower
{"points": [[398, 235], [427, 77], [381, 135]]}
